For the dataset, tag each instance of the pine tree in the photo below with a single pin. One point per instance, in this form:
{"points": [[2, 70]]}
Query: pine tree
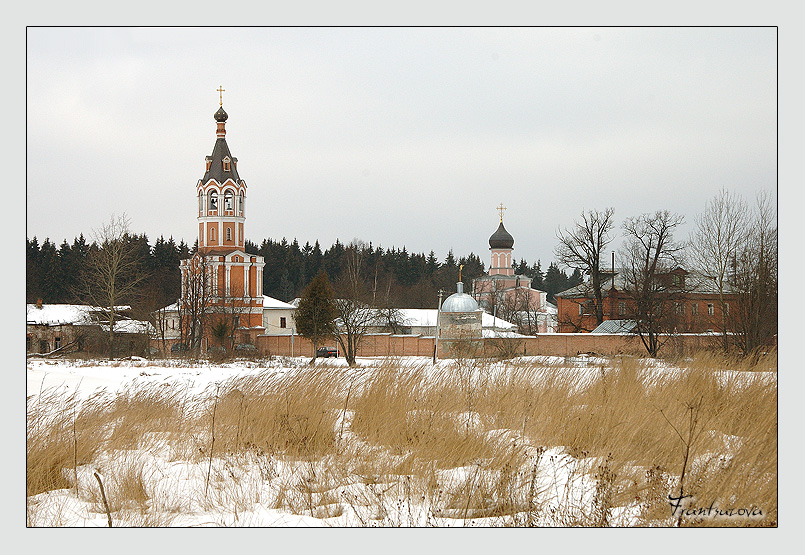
{"points": [[537, 277], [555, 282], [33, 275], [315, 316], [50, 273]]}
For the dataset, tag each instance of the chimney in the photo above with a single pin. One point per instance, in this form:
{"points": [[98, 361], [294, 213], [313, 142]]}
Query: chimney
{"points": [[38, 303]]}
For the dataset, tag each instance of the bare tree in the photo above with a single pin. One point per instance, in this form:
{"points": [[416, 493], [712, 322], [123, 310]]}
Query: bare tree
{"points": [[755, 278], [582, 248], [355, 314], [650, 253], [113, 272], [233, 305], [385, 312], [195, 304], [720, 234], [159, 319], [522, 308]]}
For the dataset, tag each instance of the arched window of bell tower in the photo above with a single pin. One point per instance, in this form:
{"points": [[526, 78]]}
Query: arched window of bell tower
{"points": [[200, 203], [228, 200], [212, 204]]}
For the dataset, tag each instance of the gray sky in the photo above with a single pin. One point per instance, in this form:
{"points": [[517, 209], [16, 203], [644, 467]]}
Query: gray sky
{"points": [[400, 136]]}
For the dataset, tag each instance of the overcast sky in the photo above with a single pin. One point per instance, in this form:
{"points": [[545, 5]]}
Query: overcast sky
{"points": [[399, 136]]}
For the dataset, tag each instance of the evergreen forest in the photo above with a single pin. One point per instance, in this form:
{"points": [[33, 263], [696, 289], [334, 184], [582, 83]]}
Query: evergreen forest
{"points": [[401, 278]]}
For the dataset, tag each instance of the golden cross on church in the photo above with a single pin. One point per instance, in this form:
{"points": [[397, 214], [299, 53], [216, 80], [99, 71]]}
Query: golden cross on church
{"points": [[501, 209], [220, 90]]}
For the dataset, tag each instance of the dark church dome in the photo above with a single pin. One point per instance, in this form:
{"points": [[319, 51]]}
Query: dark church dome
{"points": [[221, 115], [501, 239]]}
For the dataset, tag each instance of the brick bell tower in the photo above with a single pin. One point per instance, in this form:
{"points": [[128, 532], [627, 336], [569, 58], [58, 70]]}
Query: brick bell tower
{"points": [[235, 278]]}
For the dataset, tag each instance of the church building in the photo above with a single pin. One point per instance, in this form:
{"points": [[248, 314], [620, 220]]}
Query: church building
{"points": [[510, 296], [221, 282]]}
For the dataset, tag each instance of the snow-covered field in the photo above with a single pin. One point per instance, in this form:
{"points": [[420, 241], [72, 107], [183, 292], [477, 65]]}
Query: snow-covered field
{"points": [[250, 487]]}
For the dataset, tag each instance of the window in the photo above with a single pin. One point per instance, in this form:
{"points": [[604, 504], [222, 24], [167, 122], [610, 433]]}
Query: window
{"points": [[229, 234], [200, 203], [57, 342], [226, 164], [710, 310], [621, 308], [581, 309], [43, 346], [694, 308], [228, 199], [679, 308], [212, 234], [726, 308], [213, 202], [28, 342], [282, 321]]}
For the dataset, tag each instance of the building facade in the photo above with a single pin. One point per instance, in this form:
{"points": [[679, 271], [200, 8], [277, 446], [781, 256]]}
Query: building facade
{"points": [[694, 308]]}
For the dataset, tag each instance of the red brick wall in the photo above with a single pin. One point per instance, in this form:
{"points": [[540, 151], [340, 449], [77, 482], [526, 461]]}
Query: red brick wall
{"points": [[548, 344]]}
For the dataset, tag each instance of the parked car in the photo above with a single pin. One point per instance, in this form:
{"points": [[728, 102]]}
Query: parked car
{"points": [[327, 352]]}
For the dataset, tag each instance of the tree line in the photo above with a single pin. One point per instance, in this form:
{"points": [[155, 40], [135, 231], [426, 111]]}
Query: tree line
{"points": [[407, 280], [57, 275]]}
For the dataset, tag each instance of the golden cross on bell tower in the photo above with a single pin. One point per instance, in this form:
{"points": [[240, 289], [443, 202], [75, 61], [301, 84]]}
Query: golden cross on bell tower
{"points": [[501, 209], [220, 90]]}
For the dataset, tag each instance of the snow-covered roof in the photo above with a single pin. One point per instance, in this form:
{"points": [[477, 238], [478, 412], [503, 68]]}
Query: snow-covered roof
{"points": [[171, 307], [79, 314], [131, 326], [271, 302], [268, 302], [695, 283], [500, 333], [426, 317], [61, 314], [56, 314]]}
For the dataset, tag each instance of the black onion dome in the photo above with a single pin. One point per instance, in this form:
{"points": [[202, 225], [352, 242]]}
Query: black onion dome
{"points": [[501, 239], [221, 115]]}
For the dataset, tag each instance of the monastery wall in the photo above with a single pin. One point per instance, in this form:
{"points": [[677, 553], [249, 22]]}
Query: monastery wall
{"points": [[548, 344]]}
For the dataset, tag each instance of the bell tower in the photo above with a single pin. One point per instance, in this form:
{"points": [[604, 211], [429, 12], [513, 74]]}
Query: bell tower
{"points": [[221, 195], [222, 280]]}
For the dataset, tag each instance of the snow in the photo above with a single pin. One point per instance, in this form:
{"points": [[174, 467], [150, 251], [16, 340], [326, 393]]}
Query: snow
{"points": [[238, 491], [76, 314], [424, 317], [56, 314], [271, 302]]}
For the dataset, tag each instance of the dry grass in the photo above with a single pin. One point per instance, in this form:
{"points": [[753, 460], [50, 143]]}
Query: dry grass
{"points": [[414, 446]]}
